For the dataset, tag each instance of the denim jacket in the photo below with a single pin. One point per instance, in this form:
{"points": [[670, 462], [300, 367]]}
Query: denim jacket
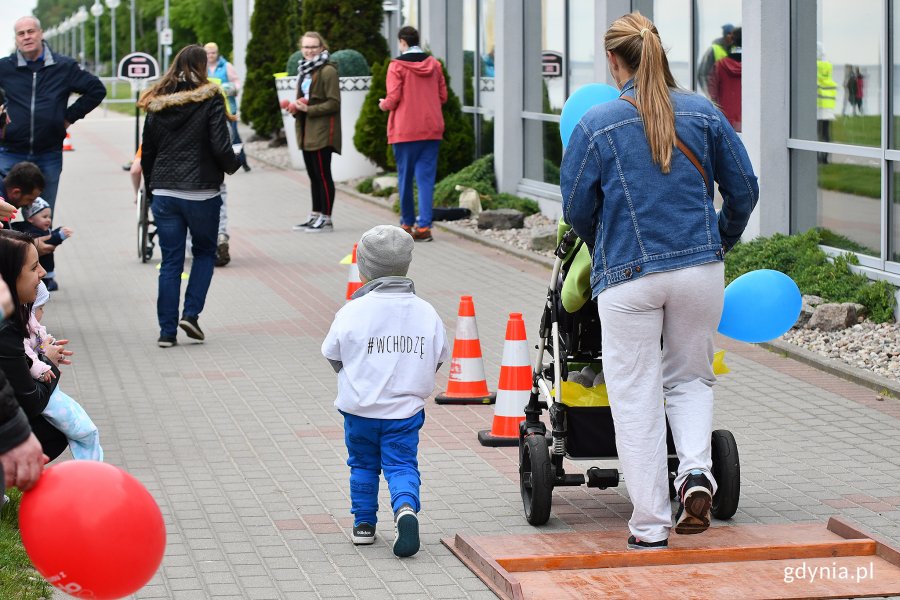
{"points": [[638, 220]]}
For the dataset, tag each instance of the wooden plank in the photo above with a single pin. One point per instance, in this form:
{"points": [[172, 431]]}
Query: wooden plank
{"points": [[851, 530], [591, 542], [755, 580], [486, 568], [682, 556]]}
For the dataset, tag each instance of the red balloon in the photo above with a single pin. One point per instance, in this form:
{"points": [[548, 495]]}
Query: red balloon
{"points": [[92, 530]]}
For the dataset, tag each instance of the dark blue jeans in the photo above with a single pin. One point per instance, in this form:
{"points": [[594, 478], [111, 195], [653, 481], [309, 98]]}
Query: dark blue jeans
{"points": [[417, 159], [50, 164], [174, 217], [389, 445]]}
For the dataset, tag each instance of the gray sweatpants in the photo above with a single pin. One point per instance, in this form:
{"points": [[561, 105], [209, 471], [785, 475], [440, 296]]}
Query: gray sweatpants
{"points": [[646, 385]]}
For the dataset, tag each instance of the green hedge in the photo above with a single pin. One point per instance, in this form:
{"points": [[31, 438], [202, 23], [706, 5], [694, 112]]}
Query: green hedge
{"points": [[800, 257]]}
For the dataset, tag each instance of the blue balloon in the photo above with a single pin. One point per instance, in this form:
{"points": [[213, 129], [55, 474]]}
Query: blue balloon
{"points": [[760, 306], [579, 103]]}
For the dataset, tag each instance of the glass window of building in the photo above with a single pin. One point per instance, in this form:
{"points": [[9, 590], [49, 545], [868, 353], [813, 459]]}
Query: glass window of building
{"points": [[837, 157], [409, 12], [718, 55], [673, 20]]}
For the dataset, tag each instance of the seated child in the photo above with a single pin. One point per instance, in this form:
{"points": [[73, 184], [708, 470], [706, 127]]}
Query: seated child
{"points": [[62, 411], [386, 346], [38, 218]]}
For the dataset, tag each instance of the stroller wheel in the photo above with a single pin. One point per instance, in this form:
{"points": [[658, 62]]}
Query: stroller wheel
{"points": [[726, 468], [535, 478]]}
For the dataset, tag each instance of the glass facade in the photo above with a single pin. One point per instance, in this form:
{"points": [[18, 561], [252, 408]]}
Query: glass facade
{"points": [[842, 163], [478, 69]]}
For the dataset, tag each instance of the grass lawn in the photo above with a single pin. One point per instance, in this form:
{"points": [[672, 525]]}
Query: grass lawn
{"points": [[859, 180], [122, 92], [18, 579], [860, 130]]}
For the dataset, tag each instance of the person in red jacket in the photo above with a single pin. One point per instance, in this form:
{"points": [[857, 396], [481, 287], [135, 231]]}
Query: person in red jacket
{"points": [[725, 83], [416, 89]]}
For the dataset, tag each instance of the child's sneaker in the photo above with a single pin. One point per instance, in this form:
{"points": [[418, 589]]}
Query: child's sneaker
{"points": [[639, 544], [363, 534], [696, 501], [406, 526]]}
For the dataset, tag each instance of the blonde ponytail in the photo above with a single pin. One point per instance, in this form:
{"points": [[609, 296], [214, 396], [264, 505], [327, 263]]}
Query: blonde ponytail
{"points": [[635, 40]]}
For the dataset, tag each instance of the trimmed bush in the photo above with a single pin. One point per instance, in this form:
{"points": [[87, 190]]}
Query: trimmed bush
{"points": [[293, 63], [348, 24], [800, 257], [478, 175], [504, 200], [370, 136], [365, 186], [458, 145], [350, 63]]}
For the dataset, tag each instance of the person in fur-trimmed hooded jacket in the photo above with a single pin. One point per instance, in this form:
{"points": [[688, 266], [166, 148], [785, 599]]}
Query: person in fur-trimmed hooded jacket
{"points": [[186, 152]]}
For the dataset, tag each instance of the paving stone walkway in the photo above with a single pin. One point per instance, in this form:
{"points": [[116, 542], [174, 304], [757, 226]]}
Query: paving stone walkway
{"points": [[239, 443]]}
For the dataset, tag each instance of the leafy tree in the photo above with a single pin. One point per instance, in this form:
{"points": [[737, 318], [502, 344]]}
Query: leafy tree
{"points": [[271, 43], [349, 24]]}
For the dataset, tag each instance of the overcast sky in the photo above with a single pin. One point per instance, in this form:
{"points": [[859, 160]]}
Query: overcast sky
{"points": [[8, 17]]}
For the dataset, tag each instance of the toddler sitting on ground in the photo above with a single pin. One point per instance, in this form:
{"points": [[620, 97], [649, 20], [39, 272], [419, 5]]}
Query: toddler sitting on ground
{"points": [[62, 411], [38, 219]]}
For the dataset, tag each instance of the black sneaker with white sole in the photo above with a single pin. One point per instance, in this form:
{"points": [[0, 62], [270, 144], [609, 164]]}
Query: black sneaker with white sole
{"points": [[192, 328], [166, 341], [406, 525], [363, 534], [322, 225], [696, 501], [309, 221], [639, 544]]}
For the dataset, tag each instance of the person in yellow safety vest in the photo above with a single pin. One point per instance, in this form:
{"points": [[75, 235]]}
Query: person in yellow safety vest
{"points": [[718, 50], [826, 98]]}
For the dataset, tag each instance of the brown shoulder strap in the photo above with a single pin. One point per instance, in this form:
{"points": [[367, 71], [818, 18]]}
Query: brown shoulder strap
{"points": [[681, 146]]}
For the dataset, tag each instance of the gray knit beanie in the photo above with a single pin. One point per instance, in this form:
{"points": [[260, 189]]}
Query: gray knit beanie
{"points": [[383, 251]]}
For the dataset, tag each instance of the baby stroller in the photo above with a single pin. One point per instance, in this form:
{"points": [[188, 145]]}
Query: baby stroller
{"points": [[146, 228], [581, 421]]}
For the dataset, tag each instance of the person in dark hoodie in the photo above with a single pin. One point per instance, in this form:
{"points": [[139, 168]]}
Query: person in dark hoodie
{"points": [[416, 89], [725, 83], [185, 154]]}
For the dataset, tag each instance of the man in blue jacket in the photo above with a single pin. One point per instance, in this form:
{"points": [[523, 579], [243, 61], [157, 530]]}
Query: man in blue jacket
{"points": [[38, 84]]}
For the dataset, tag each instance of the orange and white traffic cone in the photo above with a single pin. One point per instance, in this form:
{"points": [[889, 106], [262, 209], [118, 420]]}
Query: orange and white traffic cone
{"points": [[353, 280], [67, 143], [514, 389], [467, 384]]}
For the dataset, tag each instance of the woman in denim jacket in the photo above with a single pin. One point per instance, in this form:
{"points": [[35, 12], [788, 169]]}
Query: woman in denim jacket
{"points": [[646, 210]]}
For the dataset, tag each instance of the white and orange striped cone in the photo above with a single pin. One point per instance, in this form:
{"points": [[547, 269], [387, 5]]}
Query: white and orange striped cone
{"points": [[353, 280], [514, 389], [467, 384], [67, 143]]}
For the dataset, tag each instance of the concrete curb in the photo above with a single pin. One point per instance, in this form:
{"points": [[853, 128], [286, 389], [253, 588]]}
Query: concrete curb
{"points": [[882, 385]]}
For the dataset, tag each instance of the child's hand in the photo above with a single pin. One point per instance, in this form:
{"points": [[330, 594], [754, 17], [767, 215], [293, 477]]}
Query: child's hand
{"points": [[67, 231], [47, 376]]}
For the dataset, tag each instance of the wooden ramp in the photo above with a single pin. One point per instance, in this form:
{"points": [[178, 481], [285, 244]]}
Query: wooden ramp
{"points": [[752, 561]]}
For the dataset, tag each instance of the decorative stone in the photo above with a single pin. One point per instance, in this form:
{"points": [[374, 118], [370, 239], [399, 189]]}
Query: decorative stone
{"points": [[809, 305], [384, 182], [501, 218], [469, 198], [832, 317], [543, 240], [394, 199]]}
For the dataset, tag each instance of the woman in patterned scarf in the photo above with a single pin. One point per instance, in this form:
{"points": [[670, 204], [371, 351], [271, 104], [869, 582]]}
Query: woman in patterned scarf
{"points": [[317, 110]]}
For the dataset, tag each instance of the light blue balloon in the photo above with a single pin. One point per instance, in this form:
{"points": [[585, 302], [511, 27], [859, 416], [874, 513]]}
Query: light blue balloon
{"points": [[760, 306], [579, 103]]}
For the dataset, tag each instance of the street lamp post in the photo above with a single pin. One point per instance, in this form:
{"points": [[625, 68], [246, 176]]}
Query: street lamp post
{"points": [[132, 26], [82, 17], [97, 11], [112, 5], [73, 27]]}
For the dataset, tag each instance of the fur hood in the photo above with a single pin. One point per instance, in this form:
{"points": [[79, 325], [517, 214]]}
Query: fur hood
{"points": [[194, 96]]}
